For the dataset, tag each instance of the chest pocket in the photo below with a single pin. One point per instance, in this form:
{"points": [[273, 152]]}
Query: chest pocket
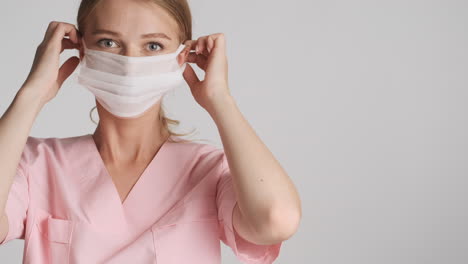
{"points": [[57, 233], [189, 233]]}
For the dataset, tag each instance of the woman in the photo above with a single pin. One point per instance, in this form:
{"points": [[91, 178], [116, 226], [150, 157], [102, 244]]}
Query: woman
{"points": [[134, 191]]}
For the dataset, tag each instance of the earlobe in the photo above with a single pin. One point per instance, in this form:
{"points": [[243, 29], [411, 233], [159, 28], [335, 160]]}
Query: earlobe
{"points": [[181, 58], [81, 52], [80, 48], [183, 55]]}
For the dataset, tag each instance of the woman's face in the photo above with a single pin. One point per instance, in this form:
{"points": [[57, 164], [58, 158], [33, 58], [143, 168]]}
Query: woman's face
{"points": [[132, 28]]}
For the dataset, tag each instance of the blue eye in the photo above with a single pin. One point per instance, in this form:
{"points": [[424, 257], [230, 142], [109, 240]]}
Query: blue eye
{"points": [[107, 42], [152, 46]]}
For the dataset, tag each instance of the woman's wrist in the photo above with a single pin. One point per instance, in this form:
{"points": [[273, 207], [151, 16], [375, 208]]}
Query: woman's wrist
{"points": [[30, 98], [222, 103]]}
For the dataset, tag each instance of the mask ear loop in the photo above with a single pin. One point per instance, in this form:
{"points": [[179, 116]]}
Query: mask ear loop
{"points": [[85, 50], [182, 68], [84, 45], [180, 48]]}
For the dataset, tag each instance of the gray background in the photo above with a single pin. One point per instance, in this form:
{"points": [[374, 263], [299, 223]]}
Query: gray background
{"points": [[362, 102]]}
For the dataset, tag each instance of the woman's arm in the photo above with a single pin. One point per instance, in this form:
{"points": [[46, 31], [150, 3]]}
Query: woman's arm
{"points": [[43, 82], [268, 209], [15, 126]]}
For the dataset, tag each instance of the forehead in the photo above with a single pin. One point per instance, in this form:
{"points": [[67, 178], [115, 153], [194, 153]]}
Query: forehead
{"points": [[132, 18]]}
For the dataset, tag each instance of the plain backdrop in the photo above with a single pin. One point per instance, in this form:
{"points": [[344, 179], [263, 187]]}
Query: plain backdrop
{"points": [[364, 103]]}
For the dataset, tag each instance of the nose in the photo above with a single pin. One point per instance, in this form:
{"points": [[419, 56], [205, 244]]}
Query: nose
{"points": [[131, 52]]}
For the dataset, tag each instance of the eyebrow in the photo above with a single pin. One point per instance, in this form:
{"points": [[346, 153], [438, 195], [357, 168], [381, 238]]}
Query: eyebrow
{"points": [[149, 35]]}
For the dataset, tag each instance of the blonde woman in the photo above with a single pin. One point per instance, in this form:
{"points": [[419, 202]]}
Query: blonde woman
{"points": [[134, 191]]}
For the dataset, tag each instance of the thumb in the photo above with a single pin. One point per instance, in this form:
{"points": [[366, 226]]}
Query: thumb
{"points": [[67, 69], [190, 76]]}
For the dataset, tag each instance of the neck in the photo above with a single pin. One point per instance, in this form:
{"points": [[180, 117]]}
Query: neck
{"points": [[129, 139]]}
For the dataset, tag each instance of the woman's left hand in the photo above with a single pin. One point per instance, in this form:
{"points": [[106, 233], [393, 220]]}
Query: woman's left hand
{"points": [[210, 56]]}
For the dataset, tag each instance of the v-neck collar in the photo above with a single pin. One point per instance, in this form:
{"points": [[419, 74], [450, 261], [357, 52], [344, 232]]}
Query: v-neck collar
{"points": [[109, 179]]}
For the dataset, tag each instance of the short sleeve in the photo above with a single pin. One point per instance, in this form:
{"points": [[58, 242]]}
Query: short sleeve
{"points": [[245, 251], [17, 204]]}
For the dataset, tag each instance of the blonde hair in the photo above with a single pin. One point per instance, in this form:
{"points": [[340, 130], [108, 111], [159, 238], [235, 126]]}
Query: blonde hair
{"points": [[180, 11]]}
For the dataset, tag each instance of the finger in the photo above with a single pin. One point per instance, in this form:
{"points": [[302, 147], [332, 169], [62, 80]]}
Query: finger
{"points": [[205, 50], [50, 30], [66, 69], [65, 29], [190, 76], [200, 60], [200, 46], [219, 47], [190, 44], [210, 43], [72, 33], [68, 44], [219, 41]]}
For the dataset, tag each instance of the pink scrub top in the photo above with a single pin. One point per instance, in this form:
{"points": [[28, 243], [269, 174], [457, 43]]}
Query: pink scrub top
{"points": [[65, 206]]}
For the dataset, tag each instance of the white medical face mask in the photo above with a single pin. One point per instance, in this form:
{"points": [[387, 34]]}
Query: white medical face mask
{"points": [[127, 86]]}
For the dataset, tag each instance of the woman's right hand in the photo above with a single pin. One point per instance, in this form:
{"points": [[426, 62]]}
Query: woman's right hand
{"points": [[46, 77]]}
